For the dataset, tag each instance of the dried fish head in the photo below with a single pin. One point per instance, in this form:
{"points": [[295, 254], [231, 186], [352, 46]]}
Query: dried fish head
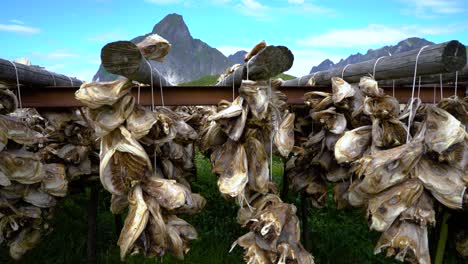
{"points": [[331, 120], [318, 101], [118, 203], [234, 179], [385, 168], [444, 181], [388, 133], [123, 160], [422, 212], [8, 101], [370, 87], [284, 137], [271, 220], [212, 136], [235, 109], [253, 253], [407, 241], [257, 95], [255, 50], [135, 222], [457, 107], [21, 166], [55, 182], [106, 119], [381, 107], [39, 198], [98, 94], [140, 121], [234, 127], [26, 240], [168, 193], [352, 145], [154, 47], [443, 130], [341, 89], [386, 206], [222, 156], [258, 168], [20, 133], [192, 206]]}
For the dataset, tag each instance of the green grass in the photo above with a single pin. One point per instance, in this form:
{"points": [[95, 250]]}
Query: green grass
{"points": [[213, 79], [205, 80], [285, 76], [338, 236]]}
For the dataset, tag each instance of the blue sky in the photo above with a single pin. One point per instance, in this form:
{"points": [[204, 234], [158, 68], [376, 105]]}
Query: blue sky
{"points": [[67, 36]]}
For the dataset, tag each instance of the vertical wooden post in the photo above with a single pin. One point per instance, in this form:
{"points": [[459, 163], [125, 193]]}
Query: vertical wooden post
{"points": [[443, 235], [118, 224], [305, 223], [92, 227]]}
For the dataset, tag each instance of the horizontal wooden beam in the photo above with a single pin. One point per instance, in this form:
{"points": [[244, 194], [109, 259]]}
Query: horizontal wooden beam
{"points": [[33, 75], [52, 97]]}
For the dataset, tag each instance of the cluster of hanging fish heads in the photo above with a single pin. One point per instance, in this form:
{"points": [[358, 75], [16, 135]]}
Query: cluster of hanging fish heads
{"points": [[146, 163], [40, 153], [239, 138], [401, 165]]}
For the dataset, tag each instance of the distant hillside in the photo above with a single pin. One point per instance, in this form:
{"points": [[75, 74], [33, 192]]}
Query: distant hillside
{"points": [[188, 59], [205, 80], [402, 46], [237, 57]]}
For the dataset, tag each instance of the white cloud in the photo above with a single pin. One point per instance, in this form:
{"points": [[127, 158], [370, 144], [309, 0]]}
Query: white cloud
{"points": [[164, 2], [296, 1], [253, 8], [305, 59], [229, 50], [220, 2], [16, 21], [55, 67], [84, 75], [108, 37], [56, 54], [19, 29], [431, 8], [371, 35]]}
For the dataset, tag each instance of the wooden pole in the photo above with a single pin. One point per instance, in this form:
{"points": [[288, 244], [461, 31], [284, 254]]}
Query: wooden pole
{"points": [[268, 63], [33, 76], [305, 222], [92, 227], [124, 58], [440, 58]]}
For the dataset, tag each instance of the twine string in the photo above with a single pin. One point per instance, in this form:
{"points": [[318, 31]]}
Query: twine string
{"points": [[18, 86], [344, 69], [419, 87], [441, 87], [393, 88], [456, 82], [375, 65], [412, 94], [151, 83]]}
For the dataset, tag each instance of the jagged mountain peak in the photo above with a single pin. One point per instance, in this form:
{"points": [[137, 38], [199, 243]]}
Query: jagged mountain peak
{"points": [[188, 59], [237, 57], [402, 46], [173, 28]]}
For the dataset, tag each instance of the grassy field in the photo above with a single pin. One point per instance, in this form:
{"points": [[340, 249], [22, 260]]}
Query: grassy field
{"points": [[213, 79], [338, 236]]}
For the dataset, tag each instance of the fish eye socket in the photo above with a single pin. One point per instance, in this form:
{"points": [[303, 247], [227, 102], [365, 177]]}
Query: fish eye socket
{"points": [[393, 165]]}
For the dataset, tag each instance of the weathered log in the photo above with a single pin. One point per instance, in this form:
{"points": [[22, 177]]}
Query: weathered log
{"points": [[433, 78], [441, 58], [124, 58], [269, 62], [33, 76]]}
